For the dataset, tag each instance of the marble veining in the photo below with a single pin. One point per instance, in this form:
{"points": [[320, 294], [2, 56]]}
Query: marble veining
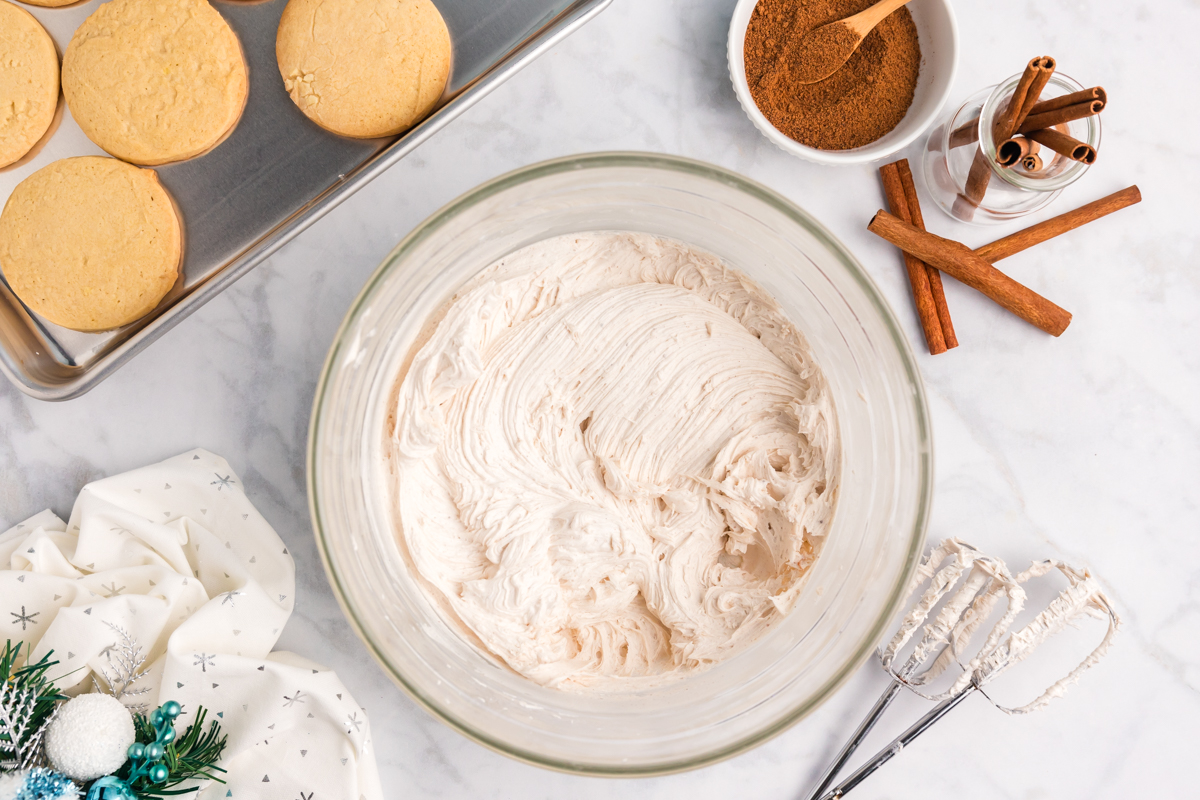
{"points": [[1085, 448]]}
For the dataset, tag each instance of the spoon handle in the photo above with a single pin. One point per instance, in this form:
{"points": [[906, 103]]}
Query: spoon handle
{"points": [[865, 21]]}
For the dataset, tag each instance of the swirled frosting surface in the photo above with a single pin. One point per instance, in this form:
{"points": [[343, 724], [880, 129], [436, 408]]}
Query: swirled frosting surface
{"points": [[613, 460]]}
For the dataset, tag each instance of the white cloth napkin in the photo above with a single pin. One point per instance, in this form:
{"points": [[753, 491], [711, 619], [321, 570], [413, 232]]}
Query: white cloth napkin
{"points": [[177, 556]]}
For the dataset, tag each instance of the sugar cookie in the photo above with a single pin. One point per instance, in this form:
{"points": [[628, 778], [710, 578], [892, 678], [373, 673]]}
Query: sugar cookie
{"points": [[28, 82], [363, 68], [155, 82], [90, 243], [50, 3]]}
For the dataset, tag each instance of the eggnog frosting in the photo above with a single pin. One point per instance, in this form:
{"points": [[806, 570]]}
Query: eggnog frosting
{"points": [[613, 460]]}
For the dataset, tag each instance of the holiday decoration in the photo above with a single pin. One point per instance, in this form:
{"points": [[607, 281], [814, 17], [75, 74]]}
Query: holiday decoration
{"points": [[37, 784], [28, 702], [27, 706], [166, 584], [158, 760], [125, 668], [89, 736], [94, 736]]}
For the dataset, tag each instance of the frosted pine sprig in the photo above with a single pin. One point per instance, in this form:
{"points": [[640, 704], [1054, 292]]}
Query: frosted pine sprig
{"points": [[126, 667], [28, 700]]}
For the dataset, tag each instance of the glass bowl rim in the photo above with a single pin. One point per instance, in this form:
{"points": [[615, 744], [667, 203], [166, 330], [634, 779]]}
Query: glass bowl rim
{"points": [[695, 168]]}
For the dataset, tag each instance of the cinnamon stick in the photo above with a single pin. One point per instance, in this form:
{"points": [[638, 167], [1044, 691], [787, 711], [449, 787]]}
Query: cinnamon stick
{"points": [[971, 196], [1025, 95], [1083, 96], [1065, 145], [1013, 150], [935, 278], [961, 262], [1048, 119], [1042, 73], [968, 132], [1056, 226], [1032, 163], [1006, 123], [918, 277]]}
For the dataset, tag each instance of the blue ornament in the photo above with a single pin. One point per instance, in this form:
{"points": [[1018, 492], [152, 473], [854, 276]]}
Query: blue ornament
{"points": [[145, 759], [110, 788], [46, 784]]}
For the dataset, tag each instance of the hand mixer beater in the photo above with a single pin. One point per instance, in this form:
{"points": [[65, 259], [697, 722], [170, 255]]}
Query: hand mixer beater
{"points": [[981, 581]]}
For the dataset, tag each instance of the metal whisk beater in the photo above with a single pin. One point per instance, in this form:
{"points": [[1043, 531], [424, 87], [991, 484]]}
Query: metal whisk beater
{"points": [[971, 584]]}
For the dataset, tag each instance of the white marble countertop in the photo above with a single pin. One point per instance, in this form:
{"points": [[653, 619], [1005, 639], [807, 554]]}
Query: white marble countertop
{"points": [[1085, 448]]}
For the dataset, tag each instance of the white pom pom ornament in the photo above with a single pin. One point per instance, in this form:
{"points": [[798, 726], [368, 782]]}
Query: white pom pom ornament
{"points": [[89, 736]]}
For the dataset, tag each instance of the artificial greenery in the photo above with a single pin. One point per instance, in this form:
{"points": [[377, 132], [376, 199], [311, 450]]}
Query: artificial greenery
{"points": [[191, 756], [28, 700]]}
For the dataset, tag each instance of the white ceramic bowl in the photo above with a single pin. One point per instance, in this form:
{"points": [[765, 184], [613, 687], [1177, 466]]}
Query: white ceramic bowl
{"points": [[938, 34], [856, 585]]}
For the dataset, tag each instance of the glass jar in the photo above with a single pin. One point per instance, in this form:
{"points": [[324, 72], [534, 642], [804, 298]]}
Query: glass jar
{"points": [[1013, 191]]}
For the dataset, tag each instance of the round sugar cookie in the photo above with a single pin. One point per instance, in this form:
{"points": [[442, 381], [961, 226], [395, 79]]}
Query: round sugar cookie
{"points": [[50, 3], [363, 68], [90, 243], [28, 82], [155, 81]]}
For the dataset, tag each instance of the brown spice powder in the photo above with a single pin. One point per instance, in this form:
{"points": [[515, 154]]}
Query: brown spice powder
{"points": [[826, 47], [854, 106]]}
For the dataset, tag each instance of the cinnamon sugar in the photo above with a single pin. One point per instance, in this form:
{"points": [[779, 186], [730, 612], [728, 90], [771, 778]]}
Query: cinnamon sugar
{"points": [[854, 106]]}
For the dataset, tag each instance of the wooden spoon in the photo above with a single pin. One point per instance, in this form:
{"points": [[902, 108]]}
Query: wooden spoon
{"points": [[822, 51]]}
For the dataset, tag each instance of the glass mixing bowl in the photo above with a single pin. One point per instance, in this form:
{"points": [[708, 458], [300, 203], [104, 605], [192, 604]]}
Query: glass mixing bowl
{"points": [[853, 590]]}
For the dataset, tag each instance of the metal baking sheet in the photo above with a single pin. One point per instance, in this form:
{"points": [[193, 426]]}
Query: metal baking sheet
{"points": [[274, 176]]}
